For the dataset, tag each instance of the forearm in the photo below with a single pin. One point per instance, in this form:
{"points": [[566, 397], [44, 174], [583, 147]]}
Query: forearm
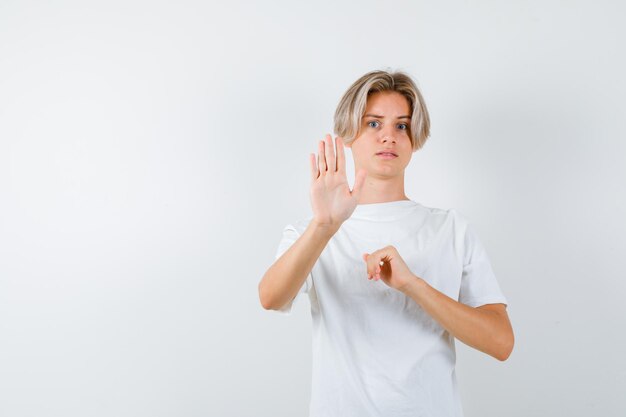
{"points": [[285, 277], [484, 330]]}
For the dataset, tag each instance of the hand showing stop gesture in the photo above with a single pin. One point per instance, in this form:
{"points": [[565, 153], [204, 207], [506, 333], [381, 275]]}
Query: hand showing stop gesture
{"points": [[331, 198]]}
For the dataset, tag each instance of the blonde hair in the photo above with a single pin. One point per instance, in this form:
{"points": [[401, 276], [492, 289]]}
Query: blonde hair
{"points": [[352, 105]]}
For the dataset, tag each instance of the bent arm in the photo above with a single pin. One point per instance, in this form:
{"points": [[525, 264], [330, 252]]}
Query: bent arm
{"points": [[486, 328], [285, 277]]}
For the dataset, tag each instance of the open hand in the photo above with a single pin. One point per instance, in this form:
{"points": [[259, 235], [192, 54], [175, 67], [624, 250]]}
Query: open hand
{"points": [[331, 198]]}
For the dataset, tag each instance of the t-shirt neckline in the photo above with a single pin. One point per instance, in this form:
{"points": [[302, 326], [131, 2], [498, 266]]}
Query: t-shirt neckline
{"points": [[385, 210]]}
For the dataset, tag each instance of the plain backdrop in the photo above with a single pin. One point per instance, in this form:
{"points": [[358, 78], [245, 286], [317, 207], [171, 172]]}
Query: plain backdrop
{"points": [[152, 152]]}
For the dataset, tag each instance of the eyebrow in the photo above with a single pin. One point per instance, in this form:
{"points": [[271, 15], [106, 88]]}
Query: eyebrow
{"points": [[382, 117]]}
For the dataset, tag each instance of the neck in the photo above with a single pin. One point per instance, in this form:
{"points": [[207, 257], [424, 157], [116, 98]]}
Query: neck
{"points": [[382, 190]]}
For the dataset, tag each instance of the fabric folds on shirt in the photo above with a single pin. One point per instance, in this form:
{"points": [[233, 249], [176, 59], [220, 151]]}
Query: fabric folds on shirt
{"points": [[376, 352]]}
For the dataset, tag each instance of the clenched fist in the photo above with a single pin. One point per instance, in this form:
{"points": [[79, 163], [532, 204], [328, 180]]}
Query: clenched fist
{"points": [[394, 272]]}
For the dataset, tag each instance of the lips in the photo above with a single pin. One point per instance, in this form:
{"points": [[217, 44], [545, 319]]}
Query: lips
{"points": [[386, 153]]}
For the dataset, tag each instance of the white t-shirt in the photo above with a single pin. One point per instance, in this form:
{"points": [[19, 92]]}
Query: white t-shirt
{"points": [[376, 352]]}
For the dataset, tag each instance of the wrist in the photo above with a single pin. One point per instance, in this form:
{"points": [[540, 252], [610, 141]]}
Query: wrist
{"points": [[413, 286], [326, 229]]}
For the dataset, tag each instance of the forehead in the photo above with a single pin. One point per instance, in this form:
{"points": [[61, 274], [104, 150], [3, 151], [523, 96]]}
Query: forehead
{"points": [[387, 102]]}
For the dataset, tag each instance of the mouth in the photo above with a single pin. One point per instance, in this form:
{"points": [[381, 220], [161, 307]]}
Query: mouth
{"points": [[387, 155]]}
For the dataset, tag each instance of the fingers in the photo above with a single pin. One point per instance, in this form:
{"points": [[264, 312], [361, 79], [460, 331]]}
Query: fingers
{"points": [[314, 171], [327, 160], [365, 257], [329, 150], [341, 157], [373, 265], [321, 157]]}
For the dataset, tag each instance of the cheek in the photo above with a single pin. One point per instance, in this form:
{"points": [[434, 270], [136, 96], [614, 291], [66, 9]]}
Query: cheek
{"points": [[408, 154]]}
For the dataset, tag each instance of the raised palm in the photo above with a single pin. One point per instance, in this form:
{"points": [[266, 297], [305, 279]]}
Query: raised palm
{"points": [[331, 198]]}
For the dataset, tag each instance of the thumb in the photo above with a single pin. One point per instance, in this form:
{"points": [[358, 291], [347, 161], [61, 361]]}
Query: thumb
{"points": [[358, 183]]}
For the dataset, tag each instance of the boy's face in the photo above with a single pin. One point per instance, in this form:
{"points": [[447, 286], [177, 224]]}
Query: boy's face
{"points": [[384, 127]]}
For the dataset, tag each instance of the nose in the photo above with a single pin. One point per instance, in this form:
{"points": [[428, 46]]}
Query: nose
{"points": [[388, 135]]}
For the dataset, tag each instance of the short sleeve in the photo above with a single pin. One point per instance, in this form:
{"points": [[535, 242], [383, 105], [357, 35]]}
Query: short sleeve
{"points": [[478, 282], [290, 235]]}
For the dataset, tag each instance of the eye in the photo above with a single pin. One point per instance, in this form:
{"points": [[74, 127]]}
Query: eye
{"points": [[370, 123], [403, 126]]}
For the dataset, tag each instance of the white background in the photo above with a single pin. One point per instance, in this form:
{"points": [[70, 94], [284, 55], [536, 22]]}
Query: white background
{"points": [[152, 152]]}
